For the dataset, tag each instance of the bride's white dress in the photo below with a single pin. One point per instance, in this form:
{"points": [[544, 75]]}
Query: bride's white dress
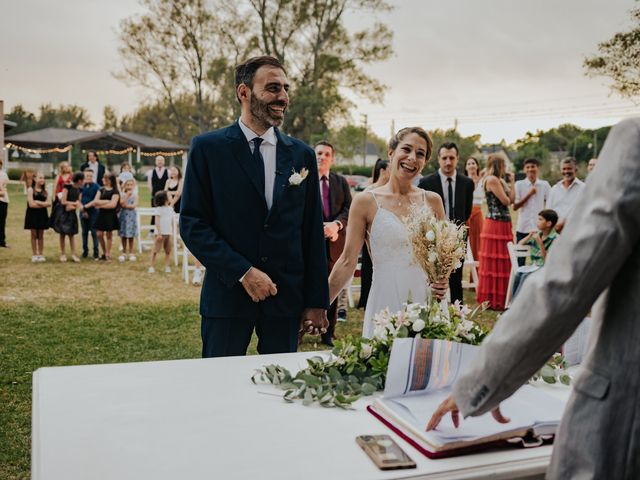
{"points": [[397, 278]]}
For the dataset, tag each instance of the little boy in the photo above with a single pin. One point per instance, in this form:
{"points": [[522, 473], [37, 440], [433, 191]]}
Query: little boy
{"points": [[539, 241]]}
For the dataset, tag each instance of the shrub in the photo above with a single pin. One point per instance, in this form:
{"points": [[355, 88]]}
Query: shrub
{"points": [[14, 173]]}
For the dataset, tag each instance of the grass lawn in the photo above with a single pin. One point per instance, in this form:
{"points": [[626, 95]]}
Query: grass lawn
{"points": [[54, 314]]}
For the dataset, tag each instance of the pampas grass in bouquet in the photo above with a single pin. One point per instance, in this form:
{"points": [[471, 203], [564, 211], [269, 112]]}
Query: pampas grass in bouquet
{"points": [[439, 246]]}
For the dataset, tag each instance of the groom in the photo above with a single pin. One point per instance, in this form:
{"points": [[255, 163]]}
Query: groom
{"points": [[251, 213]]}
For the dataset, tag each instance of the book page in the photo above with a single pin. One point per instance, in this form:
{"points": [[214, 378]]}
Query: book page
{"points": [[420, 375], [419, 365]]}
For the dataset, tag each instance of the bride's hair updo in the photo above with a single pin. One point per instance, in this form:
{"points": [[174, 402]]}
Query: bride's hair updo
{"points": [[403, 132]]}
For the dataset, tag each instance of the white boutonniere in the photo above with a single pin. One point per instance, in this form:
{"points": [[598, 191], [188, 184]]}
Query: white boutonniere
{"points": [[297, 178]]}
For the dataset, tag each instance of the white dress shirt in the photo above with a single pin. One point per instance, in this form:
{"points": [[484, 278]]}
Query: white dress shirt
{"points": [[93, 166], [268, 151], [528, 213], [445, 190], [562, 199]]}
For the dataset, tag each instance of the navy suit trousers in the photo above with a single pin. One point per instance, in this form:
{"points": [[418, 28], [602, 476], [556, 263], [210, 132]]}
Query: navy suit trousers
{"points": [[223, 337]]}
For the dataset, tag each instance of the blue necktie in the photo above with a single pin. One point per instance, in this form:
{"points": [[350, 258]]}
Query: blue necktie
{"points": [[257, 157]]}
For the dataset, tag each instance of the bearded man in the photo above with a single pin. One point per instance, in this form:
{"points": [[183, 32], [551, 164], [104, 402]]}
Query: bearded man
{"points": [[251, 213]]}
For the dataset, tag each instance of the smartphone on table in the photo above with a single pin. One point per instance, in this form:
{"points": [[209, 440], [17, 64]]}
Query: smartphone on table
{"points": [[385, 452]]}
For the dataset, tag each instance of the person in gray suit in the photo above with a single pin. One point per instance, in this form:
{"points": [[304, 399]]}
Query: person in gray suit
{"points": [[598, 253]]}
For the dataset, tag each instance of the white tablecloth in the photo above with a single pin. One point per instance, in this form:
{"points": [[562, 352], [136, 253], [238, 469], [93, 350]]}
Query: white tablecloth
{"points": [[204, 419]]}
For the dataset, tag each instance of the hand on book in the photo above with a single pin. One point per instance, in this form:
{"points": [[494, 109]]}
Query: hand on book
{"points": [[449, 405]]}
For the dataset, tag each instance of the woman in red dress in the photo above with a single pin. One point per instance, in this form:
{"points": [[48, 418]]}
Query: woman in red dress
{"points": [[472, 170], [495, 265]]}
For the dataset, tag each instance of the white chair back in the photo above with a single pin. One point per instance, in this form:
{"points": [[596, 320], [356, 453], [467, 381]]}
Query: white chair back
{"points": [[515, 252], [144, 215]]}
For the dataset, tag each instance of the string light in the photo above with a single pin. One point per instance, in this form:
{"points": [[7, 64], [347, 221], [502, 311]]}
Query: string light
{"points": [[38, 150], [164, 154], [113, 152]]}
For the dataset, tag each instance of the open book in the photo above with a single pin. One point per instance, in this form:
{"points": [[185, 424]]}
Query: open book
{"points": [[419, 378]]}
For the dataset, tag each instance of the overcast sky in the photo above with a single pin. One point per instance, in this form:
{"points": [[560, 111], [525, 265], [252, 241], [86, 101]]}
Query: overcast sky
{"points": [[500, 67]]}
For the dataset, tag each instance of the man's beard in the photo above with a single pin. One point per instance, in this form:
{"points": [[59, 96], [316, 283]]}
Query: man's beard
{"points": [[261, 113]]}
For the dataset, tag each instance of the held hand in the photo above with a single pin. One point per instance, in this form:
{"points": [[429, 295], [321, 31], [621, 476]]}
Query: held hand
{"points": [[439, 289], [449, 405], [331, 230], [314, 321], [258, 285], [532, 192]]}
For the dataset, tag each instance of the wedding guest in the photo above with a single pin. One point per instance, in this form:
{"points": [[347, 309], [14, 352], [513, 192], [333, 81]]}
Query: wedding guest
{"points": [[564, 195], [173, 187], [164, 228], [472, 170], [63, 178], [89, 215], [380, 176], [336, 200], [36, 218], [531, 196], [126, 173], [128, 218], [456, 191], [93, 163], [67, 223], [539, 242], [26, 178], [591, 165], [157, 180], [4, 205], [597, 259], [495, 265], [107, 200]]}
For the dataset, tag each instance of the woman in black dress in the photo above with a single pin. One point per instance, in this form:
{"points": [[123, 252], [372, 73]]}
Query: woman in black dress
{"points": [[66, 224], [173, 187], [37, 219], [107, 200]]}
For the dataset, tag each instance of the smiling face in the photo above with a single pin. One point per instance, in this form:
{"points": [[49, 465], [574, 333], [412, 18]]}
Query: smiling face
{"points": [[531, 171], [409, 157], [263, 106], [325, 158], [471, 166], [568, 171], [448, 161], [40, 180]]}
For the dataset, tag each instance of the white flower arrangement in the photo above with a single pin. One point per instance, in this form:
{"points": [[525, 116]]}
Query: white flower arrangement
{"points": [[297, 178]]}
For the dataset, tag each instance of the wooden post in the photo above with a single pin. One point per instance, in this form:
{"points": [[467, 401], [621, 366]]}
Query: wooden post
{"points": [[138, 156]]}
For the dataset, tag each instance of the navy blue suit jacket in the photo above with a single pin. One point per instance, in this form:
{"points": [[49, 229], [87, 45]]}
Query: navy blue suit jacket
{"points": [[225, 223]]}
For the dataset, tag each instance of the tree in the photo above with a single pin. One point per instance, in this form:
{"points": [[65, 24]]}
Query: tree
{"points": [[109, 118], [619, 59], [349, 142], [26, 121], [63, 116], [180, 51], [467, 146], [323, 59]]}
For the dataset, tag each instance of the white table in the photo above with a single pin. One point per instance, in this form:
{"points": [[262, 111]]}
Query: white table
{"points": [[204, 419]]}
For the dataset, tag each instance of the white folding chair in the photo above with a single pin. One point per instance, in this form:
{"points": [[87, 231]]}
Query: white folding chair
{"points": [[186, 267], [178, 244], [145, 229], [516, 251], [473, 265]]}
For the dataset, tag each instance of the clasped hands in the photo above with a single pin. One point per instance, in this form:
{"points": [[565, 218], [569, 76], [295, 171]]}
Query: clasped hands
{"points": [[259, 286]]}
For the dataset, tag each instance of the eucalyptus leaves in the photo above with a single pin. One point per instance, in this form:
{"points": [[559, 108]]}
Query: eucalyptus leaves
{"points": [[358, 366]]}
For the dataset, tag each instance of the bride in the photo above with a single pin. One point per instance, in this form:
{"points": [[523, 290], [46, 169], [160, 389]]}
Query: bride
{"points": [[376, 216]]}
